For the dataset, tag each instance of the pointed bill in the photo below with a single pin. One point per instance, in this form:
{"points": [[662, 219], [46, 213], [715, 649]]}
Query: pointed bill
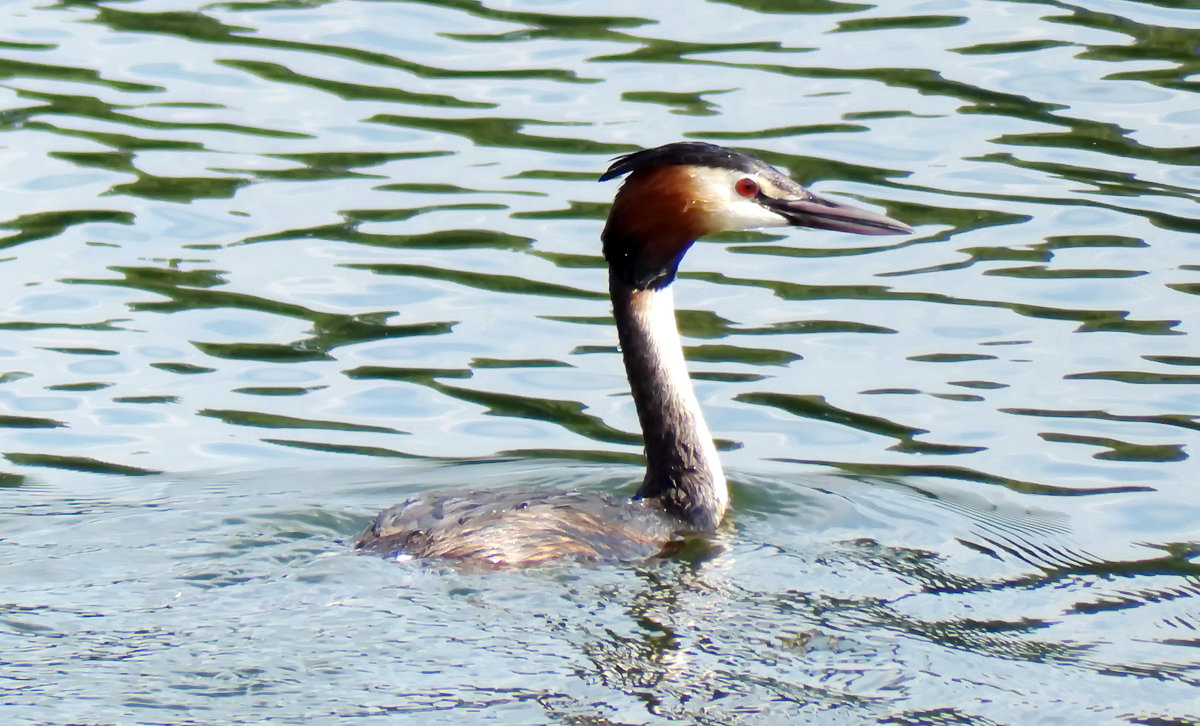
{"points": [[814, 211]]}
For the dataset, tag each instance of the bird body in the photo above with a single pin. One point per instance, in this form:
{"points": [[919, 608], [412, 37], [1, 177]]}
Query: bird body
{"points": [[674, 195], [516, 527]]}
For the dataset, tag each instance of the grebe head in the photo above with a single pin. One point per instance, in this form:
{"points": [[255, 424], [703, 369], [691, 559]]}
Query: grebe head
{"points": [[680, 192]]}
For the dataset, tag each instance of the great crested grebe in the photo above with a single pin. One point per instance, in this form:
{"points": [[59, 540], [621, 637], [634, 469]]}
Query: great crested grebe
{"points": [[674, 194]]}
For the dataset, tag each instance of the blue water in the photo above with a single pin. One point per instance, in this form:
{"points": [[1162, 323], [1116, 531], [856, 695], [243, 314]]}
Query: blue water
{"points": [[275, 266]]}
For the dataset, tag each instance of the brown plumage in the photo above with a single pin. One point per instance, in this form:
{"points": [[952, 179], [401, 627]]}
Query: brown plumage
{"points": [[657, 215], [511, 527]]}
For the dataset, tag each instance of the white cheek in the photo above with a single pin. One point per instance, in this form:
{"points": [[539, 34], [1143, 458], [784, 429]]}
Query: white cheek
{"points": [[728, 210], [740, 213]]}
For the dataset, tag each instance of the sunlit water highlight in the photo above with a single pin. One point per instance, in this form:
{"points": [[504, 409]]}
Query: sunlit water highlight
{"points": [[274, 266]]}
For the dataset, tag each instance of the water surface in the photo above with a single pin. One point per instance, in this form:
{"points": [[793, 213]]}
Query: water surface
{"points": [[274, 266]]}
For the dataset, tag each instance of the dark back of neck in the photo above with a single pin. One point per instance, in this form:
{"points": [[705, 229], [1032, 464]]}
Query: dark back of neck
{"points": [[682, 469]]}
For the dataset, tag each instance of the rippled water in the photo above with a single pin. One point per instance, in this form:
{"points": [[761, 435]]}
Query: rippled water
{"points": [[274, 266]]}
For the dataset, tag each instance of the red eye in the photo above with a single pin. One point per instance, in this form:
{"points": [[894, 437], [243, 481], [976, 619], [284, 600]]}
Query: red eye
{"points": [[746, 187]]}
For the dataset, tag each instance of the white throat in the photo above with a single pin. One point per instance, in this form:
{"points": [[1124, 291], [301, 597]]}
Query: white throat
{"points": [[683, 470]]}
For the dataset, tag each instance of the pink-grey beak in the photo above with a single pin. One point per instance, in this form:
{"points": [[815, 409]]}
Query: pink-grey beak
{"points": [[810, 210]]}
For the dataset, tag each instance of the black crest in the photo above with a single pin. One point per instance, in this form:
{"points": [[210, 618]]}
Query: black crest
{"points": [[685, 153]]}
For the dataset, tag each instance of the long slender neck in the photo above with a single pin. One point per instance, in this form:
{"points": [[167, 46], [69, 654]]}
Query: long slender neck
{"points": [[682, 469]]}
